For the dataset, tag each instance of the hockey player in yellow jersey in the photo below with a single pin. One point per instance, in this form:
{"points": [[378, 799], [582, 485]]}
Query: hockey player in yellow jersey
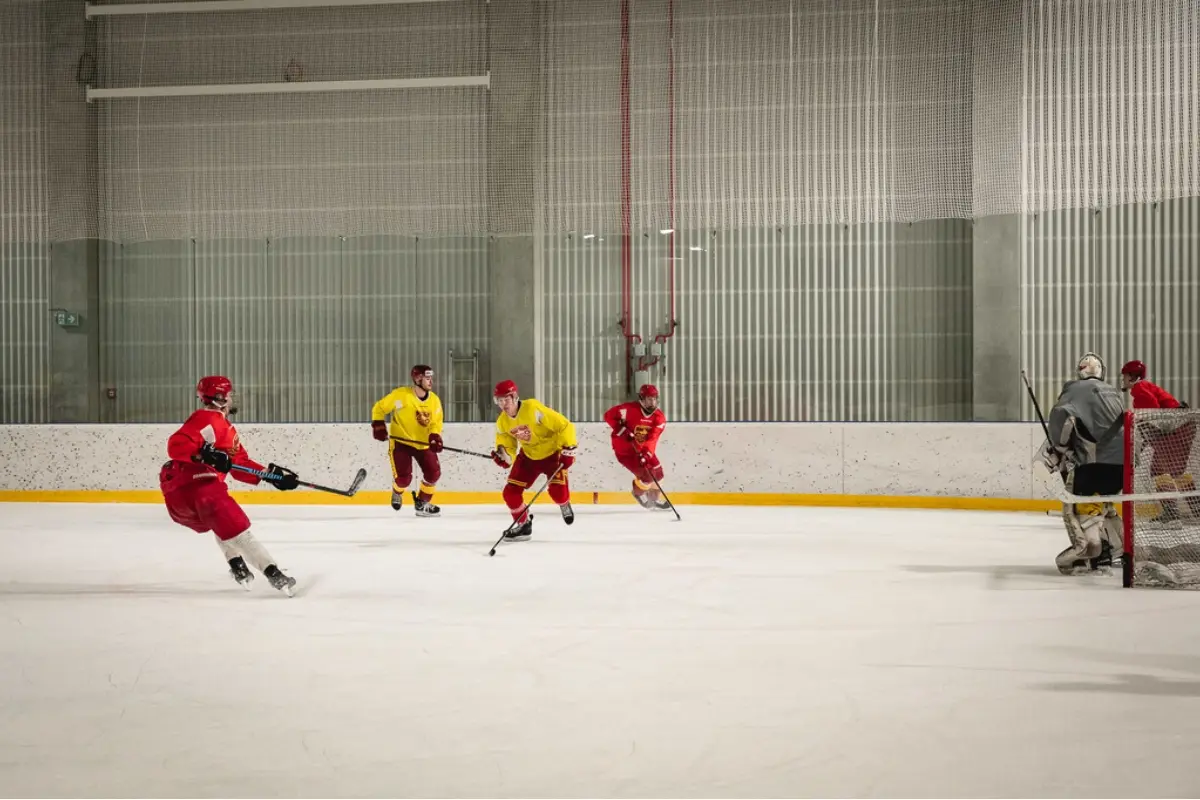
{"points": [[531, 440], [415, 434]]}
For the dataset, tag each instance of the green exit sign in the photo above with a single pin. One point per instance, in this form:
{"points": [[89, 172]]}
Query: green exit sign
{"points": [[66, 319]]}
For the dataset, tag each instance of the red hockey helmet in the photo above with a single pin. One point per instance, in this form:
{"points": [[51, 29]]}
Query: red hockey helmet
{"points": [[1134, 369], [421, 370], [214, 390], [504, 389], [648, 396]]}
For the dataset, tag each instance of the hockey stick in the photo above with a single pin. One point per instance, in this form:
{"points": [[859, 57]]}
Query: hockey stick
{"points": [[1036, 406], [447, 449], [525, 510], [273, 476], [658, 486]]}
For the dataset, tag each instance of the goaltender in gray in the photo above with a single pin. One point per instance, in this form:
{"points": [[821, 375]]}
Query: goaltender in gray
{"points": [[1087, 448]]}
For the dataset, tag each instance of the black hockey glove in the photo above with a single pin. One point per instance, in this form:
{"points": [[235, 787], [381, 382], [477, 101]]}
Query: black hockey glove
{"points": [[282, 478], [217, 459]]}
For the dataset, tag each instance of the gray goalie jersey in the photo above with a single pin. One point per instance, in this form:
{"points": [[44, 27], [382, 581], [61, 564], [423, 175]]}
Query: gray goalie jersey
{"points": [[1082, 422]]}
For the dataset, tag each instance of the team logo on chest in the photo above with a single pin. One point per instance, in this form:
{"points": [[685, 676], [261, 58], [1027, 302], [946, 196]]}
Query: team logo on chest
{"points": [[423, 418], [640, 432], [522, 433]]}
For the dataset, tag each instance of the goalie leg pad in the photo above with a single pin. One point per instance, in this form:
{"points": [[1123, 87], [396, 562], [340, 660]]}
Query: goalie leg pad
{"points": [[1084, 530]]}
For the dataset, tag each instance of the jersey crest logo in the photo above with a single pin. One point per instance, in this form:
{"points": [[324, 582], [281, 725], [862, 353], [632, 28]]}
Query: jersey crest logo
{"points": [[423, 418], [640, 432], [522, 433]]}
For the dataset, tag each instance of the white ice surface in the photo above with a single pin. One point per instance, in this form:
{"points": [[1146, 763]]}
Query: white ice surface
{"points": [[742, 652]]}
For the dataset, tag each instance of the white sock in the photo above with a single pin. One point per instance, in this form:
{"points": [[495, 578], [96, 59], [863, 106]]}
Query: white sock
{"points": [[227, 549], [254, 552]]}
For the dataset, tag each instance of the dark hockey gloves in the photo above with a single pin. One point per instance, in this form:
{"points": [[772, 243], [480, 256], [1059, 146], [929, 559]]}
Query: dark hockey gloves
{"points": [[379, 430], [282, 478], [217, 459], [435, 442]]}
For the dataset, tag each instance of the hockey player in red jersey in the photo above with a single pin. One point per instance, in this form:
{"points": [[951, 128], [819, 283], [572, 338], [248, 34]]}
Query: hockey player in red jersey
{"points": [[1144, 393], [636, 427], [202, 452]]}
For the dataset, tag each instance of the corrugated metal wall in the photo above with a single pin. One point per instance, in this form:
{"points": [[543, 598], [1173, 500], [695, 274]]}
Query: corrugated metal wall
{"points": [[24, 193], [865, 322], [308, 329], [1123, 282], [147, 331]]}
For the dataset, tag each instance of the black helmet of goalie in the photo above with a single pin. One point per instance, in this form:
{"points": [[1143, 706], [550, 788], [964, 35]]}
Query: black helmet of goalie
{"points": [[1090, 365]]}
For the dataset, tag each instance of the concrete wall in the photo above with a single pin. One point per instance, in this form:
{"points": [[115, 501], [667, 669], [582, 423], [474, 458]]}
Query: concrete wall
{"points": [[782, 463]]}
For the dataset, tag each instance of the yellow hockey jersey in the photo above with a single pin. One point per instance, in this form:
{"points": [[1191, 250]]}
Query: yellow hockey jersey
{"points": [[540, 431], [412, 417]]}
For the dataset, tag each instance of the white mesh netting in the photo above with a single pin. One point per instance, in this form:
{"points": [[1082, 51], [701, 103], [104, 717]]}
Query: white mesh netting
{"points": [[1166, 533], [645, 113]]}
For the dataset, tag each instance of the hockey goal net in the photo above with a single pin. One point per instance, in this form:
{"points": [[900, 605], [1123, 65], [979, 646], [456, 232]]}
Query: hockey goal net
{"points": [[1162, 535]]}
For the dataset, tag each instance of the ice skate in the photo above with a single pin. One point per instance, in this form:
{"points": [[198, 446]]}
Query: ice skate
{"points": [[425, 508], [280, 581], [643, 498], [397, 500], [662, 505], [522, 532], [240, 572], [568, 513]]}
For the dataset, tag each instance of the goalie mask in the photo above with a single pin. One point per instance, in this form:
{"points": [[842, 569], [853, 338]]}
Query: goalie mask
{"points": [[1090, 365]]}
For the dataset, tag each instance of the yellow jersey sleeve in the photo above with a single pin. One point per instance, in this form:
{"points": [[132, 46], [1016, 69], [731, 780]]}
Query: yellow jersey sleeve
{"points": [[385, 406], [560, 425], [504, 439]]}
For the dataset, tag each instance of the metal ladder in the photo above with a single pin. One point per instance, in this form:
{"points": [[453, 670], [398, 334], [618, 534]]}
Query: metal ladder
{"points": [[464, 387]]}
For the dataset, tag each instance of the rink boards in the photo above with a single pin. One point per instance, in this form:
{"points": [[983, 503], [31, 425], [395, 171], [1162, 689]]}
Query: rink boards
{"points": [[982, 466]]}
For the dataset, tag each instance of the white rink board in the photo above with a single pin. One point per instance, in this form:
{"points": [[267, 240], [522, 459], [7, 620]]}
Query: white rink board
{"points": [[990, 460]]}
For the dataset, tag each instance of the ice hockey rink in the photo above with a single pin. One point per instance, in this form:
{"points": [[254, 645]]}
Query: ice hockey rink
{"points": [[740, 652]]}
